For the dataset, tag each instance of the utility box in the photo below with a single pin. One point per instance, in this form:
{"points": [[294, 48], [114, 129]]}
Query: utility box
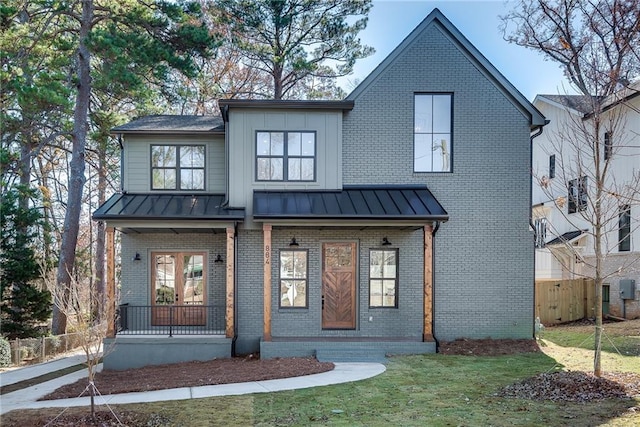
{"points": [[628, 289]]}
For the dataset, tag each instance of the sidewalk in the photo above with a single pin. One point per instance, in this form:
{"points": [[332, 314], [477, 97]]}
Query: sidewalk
{"points": [[27, 398]]}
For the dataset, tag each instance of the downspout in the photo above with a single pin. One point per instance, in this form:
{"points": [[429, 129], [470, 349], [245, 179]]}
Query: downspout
{"points": [[434, 229], [531, 138], [227, 148], [235, 289]]}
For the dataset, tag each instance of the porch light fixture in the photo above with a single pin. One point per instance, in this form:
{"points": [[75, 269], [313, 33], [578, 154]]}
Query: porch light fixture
{"points": [[293, 243], [385, 242], [137, 257], [219, 258]]}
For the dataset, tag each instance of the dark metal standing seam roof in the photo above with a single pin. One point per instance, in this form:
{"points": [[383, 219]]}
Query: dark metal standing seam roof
{"points": [[567, 237], [374, 203], [167, 207]]}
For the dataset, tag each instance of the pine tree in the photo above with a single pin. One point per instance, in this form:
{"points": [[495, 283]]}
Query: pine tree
{"points": [[24, 307]]}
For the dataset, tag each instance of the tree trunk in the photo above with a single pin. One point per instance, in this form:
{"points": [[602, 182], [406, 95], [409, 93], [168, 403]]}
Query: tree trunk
{"points": [[277, 81], [77, 165], [101, 230]]}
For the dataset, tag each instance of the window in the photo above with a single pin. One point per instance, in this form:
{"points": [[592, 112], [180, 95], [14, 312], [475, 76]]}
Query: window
{"points": [[432, 133], [577, 195], [552, 166], [383, 278], [177, 167], [293, 278], [540, 232], [608, 145], [624, 229], [285, 156]]}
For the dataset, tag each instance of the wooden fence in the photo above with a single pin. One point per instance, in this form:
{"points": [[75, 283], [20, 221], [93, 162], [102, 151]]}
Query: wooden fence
{"points": [[560, 301]]}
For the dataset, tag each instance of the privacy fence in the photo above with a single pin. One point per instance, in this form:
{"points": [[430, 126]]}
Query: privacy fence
{"points": [[561, 301]]}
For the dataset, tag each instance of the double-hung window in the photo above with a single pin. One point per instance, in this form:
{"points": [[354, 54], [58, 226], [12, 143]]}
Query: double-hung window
{"points": [[624, 229], [432, 132], [285, 156], [293, 278], [577, 195], [608, 146], [177, 167], [383, 278]]}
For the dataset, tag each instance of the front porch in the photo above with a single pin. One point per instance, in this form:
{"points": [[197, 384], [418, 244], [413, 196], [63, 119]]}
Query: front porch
{"points": [[344, 349]]}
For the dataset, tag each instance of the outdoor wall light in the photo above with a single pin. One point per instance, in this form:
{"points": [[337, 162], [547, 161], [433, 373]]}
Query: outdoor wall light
{"points": [[137, 257], [385, 242], [219, 258], [293, 243]]}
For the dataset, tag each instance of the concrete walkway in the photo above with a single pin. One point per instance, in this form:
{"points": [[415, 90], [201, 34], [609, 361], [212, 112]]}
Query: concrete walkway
{"points": [[27, 398]]}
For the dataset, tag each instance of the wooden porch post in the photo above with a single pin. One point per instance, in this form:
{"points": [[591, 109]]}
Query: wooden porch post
{"points": [[111, 283], [427, 333], [266, 228], [231, 261]]}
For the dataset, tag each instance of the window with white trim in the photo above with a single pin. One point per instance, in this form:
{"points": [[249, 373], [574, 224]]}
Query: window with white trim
{"points": [[383, 278], [624, 229], [432, 132], [285, 156], [293, 278]]}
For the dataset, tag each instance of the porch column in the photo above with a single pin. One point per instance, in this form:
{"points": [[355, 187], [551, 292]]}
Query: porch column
{"points": [[231, 262], [427, 333], [266, 228], [111, 283]]}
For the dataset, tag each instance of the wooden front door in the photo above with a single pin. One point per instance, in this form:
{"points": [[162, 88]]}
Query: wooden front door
{"points": [[339, 285], [178, 289]]}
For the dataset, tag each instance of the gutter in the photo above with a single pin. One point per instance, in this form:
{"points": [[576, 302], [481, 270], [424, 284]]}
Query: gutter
{"points": [[121, 162]]}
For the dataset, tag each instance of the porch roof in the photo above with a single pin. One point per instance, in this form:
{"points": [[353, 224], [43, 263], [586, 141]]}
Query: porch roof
{"points": [[171, 207], [388, 203], [567, 237]]}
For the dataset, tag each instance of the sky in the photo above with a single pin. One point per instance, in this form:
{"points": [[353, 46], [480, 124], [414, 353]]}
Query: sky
{"points": [[390, 21]]}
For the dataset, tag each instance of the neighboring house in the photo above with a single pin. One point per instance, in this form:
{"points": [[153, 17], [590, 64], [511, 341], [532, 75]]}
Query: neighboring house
{"points": [[378, 224], [564, 238]]}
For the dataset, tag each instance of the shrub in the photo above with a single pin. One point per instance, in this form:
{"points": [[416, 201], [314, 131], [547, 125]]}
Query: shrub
{"points": [[5, 353]]}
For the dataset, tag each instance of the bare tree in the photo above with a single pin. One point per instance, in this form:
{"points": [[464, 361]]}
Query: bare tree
{"points": [[597, 44], [78, 304]]}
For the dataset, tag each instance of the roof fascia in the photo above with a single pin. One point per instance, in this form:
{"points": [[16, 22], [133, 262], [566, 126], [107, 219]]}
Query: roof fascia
{"points": [[167, 132], [436, 17], [285, 104]]}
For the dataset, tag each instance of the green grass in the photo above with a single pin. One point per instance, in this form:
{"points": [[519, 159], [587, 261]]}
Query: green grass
{"points": [[433, 390]]}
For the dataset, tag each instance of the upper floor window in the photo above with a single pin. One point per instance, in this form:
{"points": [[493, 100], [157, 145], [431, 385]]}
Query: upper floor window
{"points": [[432, 133], [286, 156], [552, 166], [608, 146], [383, 278], [577, 194], [177, 167], [624, 229]]}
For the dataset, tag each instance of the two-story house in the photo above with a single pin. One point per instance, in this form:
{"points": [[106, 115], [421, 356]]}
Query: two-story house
{"points": [[379, 224], [564, 177]]}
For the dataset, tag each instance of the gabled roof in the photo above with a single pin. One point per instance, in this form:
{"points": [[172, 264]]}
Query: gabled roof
{"points": [[437, 18], [580, 103], [389, 203], [171, 124], [170, 207]]}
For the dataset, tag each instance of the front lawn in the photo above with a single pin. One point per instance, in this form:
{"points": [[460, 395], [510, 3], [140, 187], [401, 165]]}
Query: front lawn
{"points": [[433, 390]]}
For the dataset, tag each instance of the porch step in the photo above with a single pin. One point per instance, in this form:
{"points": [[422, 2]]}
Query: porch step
{"points": [[352, 355]]}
